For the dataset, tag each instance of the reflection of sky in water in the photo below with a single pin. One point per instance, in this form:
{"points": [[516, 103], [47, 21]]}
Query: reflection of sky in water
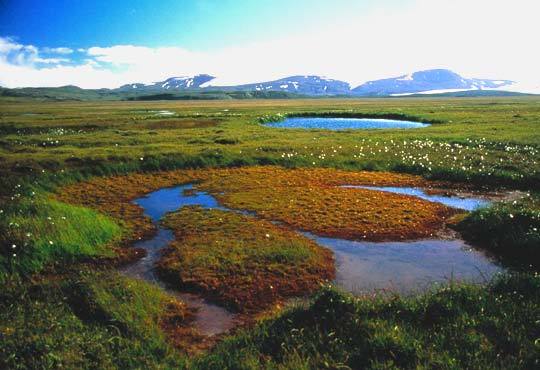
{"points": [[329, 123], [210, 318], [468, 204], [158, 203], [405, 266]]}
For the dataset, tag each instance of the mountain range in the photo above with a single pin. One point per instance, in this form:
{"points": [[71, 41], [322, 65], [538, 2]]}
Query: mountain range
{"points": [[204, 86], [433, 80]]}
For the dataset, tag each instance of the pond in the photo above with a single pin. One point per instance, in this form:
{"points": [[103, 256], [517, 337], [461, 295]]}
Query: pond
{"points": [[338, 123]]}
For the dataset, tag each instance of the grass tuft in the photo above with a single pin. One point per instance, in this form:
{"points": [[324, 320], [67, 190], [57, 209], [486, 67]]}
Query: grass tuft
{"points": [[40, 231]]}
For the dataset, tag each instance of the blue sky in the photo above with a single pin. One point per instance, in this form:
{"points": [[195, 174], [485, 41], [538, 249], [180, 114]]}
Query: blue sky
{"points": [[110, 43], [195, 24]]}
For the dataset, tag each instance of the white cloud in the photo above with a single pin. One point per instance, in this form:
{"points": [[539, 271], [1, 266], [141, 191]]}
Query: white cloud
{"points": [[480, 38], [51, 60], [60, 50]]}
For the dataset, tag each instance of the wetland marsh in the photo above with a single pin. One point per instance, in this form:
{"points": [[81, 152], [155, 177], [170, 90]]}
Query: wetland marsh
{"points": [[136, 238]]}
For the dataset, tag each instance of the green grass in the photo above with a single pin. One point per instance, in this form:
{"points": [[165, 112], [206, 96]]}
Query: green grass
{"points": [[107, 321], [40, 231], [87, 321], [457, 327], [483, 140]]}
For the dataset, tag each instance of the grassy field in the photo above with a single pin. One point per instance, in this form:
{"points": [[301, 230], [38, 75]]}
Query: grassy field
{"points": [[65, 224], [483, 140]]}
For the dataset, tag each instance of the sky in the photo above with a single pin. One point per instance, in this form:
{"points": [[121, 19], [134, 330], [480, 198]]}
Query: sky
{"points": [[95, 44]]}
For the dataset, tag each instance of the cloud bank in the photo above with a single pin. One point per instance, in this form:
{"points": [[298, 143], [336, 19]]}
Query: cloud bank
{"points": [[483, 39]]}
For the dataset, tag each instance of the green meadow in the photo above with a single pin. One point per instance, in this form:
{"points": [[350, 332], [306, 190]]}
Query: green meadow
{"points": [[64, 304]]}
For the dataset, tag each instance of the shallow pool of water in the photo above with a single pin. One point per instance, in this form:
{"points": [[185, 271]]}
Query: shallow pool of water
{"points": [[361, 266], [467, 203], [406, 267], [165, 113], [160, 202], [334, 123]]}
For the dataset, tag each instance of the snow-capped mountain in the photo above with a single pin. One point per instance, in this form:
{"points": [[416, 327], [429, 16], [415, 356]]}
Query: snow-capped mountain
{"points": [[173, 83], [433, 80], [422, 82], [305, 85]]}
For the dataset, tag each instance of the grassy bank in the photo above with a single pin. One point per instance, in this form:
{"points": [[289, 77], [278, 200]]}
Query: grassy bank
{"points": [[88, 320], [511, 230], [39, 232], [94, 321], [456, 327], [486, 141]]}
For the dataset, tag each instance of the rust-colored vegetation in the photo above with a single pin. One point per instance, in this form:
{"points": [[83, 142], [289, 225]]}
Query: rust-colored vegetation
{"points": [[240, 261], [314, 200], [229, 257], [170, 124], [114, 195], [175, 322], [307, 199]]}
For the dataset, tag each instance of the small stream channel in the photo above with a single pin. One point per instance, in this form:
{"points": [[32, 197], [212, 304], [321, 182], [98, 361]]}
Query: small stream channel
{"points": [[361, 267], [210, 318]]}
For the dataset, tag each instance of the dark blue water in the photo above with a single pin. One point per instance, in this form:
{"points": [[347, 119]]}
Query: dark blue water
{"points": [[158, 203], [329, 123], [465, 203]]}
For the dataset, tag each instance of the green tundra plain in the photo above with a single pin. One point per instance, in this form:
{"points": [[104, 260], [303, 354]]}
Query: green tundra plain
{"points": [[63, 234]]}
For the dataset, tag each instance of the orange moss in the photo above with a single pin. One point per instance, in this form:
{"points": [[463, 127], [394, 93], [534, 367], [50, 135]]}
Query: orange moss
{"points": [[307, 199], [313, 200], [114, 196], [246, 263]]}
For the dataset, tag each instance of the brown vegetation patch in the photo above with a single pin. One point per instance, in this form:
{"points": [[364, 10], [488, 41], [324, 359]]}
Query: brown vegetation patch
{"points": [[314, 200], [169, 124], [243, 262], [175, 323], [307, 199], [114, 195]]}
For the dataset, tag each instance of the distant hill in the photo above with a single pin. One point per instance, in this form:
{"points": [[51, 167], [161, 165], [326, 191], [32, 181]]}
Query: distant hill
{"points": [[305, 85], [77, 94], [435, 82], [61, 93]]}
